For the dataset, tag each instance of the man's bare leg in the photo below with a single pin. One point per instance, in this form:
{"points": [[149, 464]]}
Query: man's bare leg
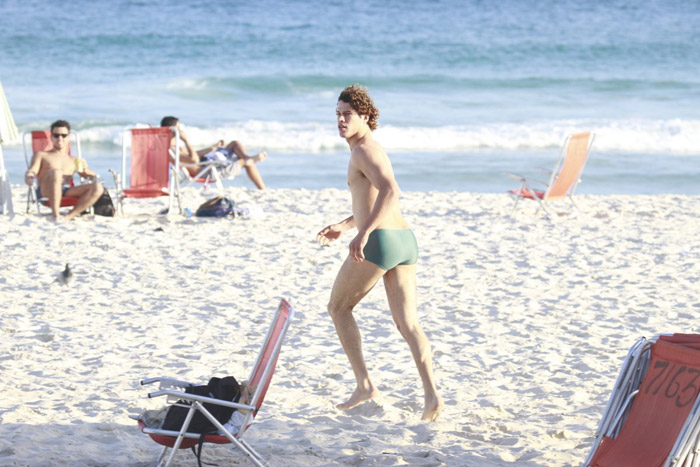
{"points": [[51, 186], [400, 285], [252, 160], [353, 282], [87, 195], [249, 162]]}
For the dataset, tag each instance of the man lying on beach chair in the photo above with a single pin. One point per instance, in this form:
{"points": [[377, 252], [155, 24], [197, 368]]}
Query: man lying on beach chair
{"points": [[198, 405], [653, 415], [53, 167], [217, 161]]}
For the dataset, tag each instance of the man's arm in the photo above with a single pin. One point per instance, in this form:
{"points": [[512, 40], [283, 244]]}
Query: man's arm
{"points": [[33, 169], [191, 151], [203, 152], [334, 231], [88, 173], [374, 164]]}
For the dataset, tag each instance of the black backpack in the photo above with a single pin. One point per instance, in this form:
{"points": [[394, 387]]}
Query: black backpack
{"points": [[104, 206], [216, 207], [226, 388]]}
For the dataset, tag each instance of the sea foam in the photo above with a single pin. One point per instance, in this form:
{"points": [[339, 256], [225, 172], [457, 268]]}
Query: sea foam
{"points": [[676, 136]]}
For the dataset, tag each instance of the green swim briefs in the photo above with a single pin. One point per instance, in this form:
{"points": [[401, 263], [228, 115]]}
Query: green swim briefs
{"points": [[388, 248]]}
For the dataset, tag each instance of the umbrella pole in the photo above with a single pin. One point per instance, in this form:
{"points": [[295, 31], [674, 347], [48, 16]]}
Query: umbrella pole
{"points": [[5, 189]]}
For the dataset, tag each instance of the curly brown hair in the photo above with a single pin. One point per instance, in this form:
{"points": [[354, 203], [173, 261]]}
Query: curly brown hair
{"points": [[359, 100]]}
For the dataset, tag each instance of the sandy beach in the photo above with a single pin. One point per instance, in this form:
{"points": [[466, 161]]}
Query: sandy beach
{"points": [[529, 318]]}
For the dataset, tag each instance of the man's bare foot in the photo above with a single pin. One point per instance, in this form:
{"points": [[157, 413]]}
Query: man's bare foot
{"points": [[433, 409], [71, 215], [358, 397], [256, 158]]}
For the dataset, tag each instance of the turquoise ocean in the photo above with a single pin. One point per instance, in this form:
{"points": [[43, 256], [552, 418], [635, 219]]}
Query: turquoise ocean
{"points": [[467, 89]]}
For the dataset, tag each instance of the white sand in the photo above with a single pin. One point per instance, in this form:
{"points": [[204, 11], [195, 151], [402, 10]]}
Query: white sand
{"points": [[529, 320]]}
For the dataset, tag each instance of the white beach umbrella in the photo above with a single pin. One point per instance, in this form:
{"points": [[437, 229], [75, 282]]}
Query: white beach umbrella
{"points": [[8, 134]]}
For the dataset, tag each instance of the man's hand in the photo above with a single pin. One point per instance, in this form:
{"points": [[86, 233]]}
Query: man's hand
{"points": [[357, 245], [329, 234], [29, 177], [80, 165]]}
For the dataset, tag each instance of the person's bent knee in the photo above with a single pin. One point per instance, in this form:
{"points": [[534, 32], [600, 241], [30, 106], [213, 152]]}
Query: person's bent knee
{"points": [[330, 309], [234, 146], [407, 329], [95, 191], [336, 309]]}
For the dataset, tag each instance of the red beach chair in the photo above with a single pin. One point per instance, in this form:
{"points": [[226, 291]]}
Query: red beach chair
{"points": [[149, 175], [41, 141], [653, 415], [564, 178], [259, 379]]}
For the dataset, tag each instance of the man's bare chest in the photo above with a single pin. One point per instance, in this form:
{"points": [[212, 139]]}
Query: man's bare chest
{"points": [[62, 162]]}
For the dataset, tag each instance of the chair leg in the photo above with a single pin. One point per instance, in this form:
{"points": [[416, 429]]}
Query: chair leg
{"points": [[251, 453], [181, 436], [515, 205], [119, 190], [574, 203], [217, 180], [174, 191], [162, 455], [518, 196], [541, 206], [29, 199]]}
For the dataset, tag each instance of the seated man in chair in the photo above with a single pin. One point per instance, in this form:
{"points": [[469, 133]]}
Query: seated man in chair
{"points": [[219, 151], [55, 168]]}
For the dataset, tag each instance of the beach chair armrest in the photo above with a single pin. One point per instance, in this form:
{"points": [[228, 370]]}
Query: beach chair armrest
{"points": [[525, 179], [88, 178], [117, 180], [194, 397], [172, 434], [199, 164], [512, 175], [165, 381], [208, 164]]}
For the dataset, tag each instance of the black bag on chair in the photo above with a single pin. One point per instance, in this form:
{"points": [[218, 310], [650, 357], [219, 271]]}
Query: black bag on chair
{"points": [[104, 205], [226, 388], [219, 388]]}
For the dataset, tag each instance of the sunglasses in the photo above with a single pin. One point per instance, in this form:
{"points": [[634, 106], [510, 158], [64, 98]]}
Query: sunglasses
{"points": [[60, 135]]}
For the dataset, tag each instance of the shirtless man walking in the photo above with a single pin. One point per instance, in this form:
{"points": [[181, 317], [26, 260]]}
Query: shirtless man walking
{"points": [[384, 247], [54, 169]]}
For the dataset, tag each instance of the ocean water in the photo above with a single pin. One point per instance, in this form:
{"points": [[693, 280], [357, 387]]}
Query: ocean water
{"points": [[467, 89]]}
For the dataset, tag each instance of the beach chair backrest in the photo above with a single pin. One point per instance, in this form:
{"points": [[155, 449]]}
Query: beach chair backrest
{"points": [[660, 409], [264, 367], [149, 159], [571, 167], [41, 140]]}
